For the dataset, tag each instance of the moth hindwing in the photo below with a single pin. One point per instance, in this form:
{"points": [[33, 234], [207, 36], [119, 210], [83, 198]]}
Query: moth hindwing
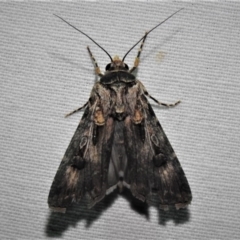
{"points": [[119, 143]]}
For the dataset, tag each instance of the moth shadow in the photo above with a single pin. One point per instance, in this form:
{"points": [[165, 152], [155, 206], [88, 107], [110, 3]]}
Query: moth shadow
{"points": [[57, 223], [74, 64], [138, 206], [159, 45], [180, 216]]}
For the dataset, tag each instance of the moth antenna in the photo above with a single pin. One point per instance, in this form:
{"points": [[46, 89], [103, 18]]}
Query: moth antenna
{"points": [[85, 35], [145, 35]]}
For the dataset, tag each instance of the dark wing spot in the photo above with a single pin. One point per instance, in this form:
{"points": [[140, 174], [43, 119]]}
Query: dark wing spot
{"points": [[159, 160], [78, 162], [95, 136], [140, 131]]}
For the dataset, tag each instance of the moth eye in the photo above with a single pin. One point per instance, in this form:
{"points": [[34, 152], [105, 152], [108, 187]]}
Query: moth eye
{"points": [[108, 67], [126, 66]]}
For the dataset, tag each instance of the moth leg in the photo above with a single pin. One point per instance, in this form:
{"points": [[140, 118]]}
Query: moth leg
{"points": [[97, 69], [155, 100], [76, 110], [136, 62]]}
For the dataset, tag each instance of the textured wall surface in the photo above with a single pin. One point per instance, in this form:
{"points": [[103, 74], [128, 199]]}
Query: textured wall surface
{"points": [[46, 72]]}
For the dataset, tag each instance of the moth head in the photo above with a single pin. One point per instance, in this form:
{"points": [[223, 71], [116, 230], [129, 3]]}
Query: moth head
{"points": [[116, 64]]}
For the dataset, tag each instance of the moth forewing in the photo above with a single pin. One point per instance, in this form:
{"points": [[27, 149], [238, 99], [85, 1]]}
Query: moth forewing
{"points": [[119, 143]]}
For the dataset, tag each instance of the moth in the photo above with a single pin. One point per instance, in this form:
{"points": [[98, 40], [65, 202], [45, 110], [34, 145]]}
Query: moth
{"points": [[119, 143]]}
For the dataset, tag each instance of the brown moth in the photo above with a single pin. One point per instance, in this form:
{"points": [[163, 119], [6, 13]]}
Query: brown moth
{"points": [[119, 143]]}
